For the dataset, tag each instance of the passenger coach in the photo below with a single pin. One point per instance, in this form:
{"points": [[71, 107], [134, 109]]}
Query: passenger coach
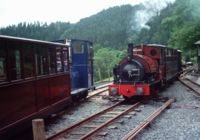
{"points": [[34, 80]]}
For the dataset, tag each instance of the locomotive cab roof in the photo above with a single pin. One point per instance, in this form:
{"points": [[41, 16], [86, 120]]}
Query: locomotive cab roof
{"points": [[150, 45], [155, 45]]}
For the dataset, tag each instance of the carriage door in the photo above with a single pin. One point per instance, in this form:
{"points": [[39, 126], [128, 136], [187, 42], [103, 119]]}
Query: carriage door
{"points": [[79, 63]]}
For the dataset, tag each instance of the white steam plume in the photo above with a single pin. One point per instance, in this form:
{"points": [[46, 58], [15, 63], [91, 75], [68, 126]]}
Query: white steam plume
{"points": [[151, 8]]}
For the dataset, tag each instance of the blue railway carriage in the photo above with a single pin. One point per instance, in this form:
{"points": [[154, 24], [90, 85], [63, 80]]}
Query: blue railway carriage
{"points": [[81, 57], [81, 67]]}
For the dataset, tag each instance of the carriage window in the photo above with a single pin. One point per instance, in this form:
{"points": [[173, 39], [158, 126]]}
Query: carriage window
{"points": [[15, 64], [52, 60], [41, 61], [59, 59], [28, 62], [90, 50], [78, 48], [198, 51], [2, 65], [65, 59], [169, 52]]}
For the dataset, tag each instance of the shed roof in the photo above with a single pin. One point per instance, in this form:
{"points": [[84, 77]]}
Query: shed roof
{"points": [[197, 43]]}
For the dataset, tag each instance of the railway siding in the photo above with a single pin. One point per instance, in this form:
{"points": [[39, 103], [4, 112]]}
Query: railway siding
{"points": [[192, 85], [181, 121]]}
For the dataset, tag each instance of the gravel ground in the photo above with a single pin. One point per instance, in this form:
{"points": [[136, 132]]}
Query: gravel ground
{"points": [[122, 129], [79, 112], [180, 122], [194, 76]]}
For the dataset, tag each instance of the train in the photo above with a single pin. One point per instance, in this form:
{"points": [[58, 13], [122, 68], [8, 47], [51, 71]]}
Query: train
{"points": [[81, 57], [38, 78], [146, 69]]}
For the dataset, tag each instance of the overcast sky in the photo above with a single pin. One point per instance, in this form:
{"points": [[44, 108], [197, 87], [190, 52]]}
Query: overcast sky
{"points": [[16, 11]]}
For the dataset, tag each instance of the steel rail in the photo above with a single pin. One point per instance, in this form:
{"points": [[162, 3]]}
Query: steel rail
{"points": [[105, 85], [196, 92], [89, 119], [195, 83], [63, 132], [148, 120], [186, 71], [91, 133], [97, 92]]}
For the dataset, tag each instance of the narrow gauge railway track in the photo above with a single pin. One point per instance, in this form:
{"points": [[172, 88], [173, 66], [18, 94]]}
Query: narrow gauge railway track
{"points": [[93, 94], [195, 87], [97, 92], [100, 91], [131, 135], [187, 71], [93, 124], [103, 85]]}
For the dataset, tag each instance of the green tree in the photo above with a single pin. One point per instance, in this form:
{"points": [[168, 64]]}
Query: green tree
{"points": [[105, 59]]}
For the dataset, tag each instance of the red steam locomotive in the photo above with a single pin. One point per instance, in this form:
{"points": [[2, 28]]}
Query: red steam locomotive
{"points": [[145, 69]]}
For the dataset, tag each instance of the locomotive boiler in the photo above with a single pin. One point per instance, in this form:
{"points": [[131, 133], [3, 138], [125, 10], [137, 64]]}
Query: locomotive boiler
{"points": [[144, 70]]}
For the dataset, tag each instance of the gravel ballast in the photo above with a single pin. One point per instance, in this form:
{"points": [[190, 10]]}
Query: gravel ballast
{"points": [[79, 112], [180, 122]]}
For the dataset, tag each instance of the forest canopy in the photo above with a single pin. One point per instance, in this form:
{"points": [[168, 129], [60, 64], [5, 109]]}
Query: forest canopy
{"points": [[176, 25]]}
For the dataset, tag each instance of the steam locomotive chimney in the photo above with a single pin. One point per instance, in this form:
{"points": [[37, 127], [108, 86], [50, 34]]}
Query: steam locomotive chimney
{"points": [[130, 51]]}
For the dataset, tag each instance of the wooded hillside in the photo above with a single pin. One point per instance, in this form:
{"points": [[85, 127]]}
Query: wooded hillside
{"points": [[111, 30]]}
